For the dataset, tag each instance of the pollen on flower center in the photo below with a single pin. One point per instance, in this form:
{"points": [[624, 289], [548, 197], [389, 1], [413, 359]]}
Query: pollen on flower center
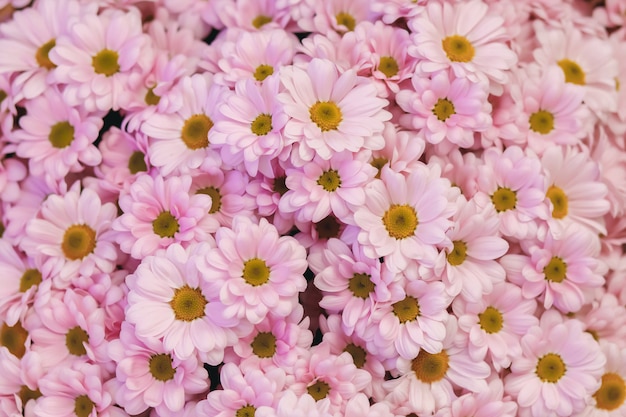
{"points": [[79, 241], [346, 19], [161, 367], [165, 225], [542, 122], [42, 54], [260, 21], [75, 338], [400, 221], [612, 392], [61, 134], [504, 199], [264, 345], [262, 125], [550, 368], [319, 390], [329, 180], [361, 285], [388, 66], [458, 254], [83, 406], [137, 162], [556, 270], [559, 201], [188, 303], [326, 115], [406, 310], [256, 272], [443, 109], [106, 62], [263, 71], [216, 198], [490, 320], [358, 354], [30, 278], [195, 131], [573, 72], [246, 411], [430, 367], [458, 48], [14, 338]]}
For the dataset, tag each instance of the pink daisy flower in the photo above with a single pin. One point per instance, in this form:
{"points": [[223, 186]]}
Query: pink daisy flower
{"points": [[331, 112], [405, 217], [466, 38], [392, 10], [181, 141], [169, 300], [56, 138], [158, 212], [148, 376], [306, 405], [402, 150], [613, 173], [73, 235], [252, 15], [19, 387], [445, 107], [612, 14], [346, 52], [605, 318], [489, 403], [254, 270], [559, 370], [267, 193], [339, 16], [100, 58]]}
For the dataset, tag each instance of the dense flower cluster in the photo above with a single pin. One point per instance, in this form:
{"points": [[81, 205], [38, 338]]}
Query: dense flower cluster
{"points": [[316, 208]]}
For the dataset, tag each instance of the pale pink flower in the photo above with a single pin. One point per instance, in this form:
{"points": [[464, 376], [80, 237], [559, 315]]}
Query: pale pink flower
{"points": [[612, 161], [559, 370], [73, 235], [605, 319], [445, 107], [149, 376], [306, 405], [55, 137], [17, 390], [488, 403], [339, 16], [611, 14], [100, 59], [465, 37], [254, 270], [158, 212], [346, 52], [267, 193], [169, 300], [402, 151], [392, 10], [461, 168], [252, 15], [331, 112]]}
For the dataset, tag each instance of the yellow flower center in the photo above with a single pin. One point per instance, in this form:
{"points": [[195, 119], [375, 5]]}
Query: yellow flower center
{"points": [[319, 390], [150, 98], [161, 367], [443, 109], [490, 320], [329, 180], [61, 135], [264, 345], [458, 254], [328, 227], [216, 198], [550, 368], [556, 270], [379, 163], [559, 201], [165, 225], [188, 303], [247, 411], [458, 48], [105, 62], [573, 72], [504, 199], [388, 66], [30, 278], [612, 392], [326, 115], [256, 272], [195, 131], [260, 21], [430, 367], [346, 19], [262, 125], [361, 285], [400, 221], [79, 241], [42, 55], [14, 338], [137, 162], [358, 354], [279, 185], [263, 71], [542, 122], [83, 406], [75, 340], [406, 310]]}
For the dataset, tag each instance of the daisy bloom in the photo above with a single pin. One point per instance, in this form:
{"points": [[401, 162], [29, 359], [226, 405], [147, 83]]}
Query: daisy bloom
{"points": [[392, 10], [464, 37], [487, 403], [306, 405], [331, 112], [404, 217], [17, 390], [605, 318], [252, 15], [559, 370], [402, 150], [346, 52], [339, 16], [73, 235], [254, 270]]}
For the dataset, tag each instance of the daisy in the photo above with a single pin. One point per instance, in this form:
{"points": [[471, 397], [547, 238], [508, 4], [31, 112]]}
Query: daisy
{"points": [[346, 52], [254, 270], [73, 235], [306, 405], [252, 15], [612, 160], [267, 192], [331, 112], [559, 370], [169, 300], [17, 391], [405, 217], [487, 403], [605, 318], [99, 58], [339, 16], [464, 37], [402, 150], [392, 10]]}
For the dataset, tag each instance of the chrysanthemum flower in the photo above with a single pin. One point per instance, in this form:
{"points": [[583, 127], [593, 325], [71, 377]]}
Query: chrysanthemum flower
{"points": [[254, 270], [19, 387], [306, 405], [252, 15], [346, 52], [392, 10], [339, 16], [605, 318], [331, 112], [487, 403], [402, 150], [559, 370]]}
